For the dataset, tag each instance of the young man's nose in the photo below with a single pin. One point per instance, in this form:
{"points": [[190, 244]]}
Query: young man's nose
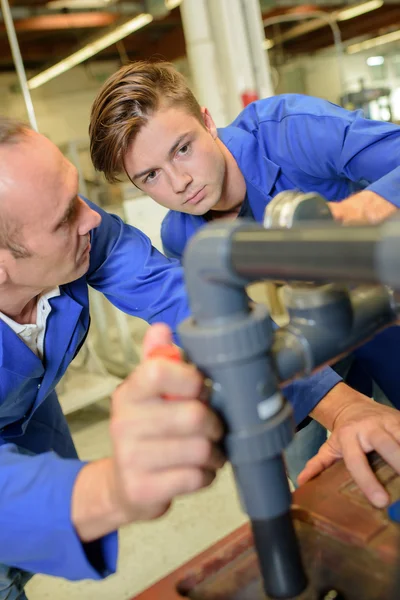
{"points": [[180, 180]]}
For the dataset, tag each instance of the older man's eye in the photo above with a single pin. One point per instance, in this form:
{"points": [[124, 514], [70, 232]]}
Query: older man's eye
{"points": [[68, 217]]}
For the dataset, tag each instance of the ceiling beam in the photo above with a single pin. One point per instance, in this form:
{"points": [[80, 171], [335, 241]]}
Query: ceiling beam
{"points": [[40, 8], [162, 38], [163, 44], [364, 25], [34, 52], [65, 21]]}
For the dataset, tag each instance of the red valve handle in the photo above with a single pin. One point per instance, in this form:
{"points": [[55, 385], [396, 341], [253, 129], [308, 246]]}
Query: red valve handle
{"points": [[168, 352]]}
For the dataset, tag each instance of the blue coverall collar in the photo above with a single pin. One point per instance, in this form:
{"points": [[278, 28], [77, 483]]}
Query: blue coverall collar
{"points": [[259, 171], [16, 357]]}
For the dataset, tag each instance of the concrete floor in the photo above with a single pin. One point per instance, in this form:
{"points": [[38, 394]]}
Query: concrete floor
{"points": [[147, 550]]}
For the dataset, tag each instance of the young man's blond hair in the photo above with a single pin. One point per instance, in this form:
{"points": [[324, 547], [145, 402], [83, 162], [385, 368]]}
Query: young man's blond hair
{"points": [[124, 104]]}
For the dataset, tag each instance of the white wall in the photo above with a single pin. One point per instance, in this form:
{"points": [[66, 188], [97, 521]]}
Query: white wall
{"points": [[62, 106]]}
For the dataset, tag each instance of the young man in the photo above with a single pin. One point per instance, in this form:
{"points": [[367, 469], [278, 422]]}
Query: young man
{"points": [[146, 122], [53, 245]]}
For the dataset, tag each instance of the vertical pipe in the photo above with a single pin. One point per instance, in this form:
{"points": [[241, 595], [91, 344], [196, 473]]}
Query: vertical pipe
{"points": [[19, 65], [203, 59], [233, 52], [260, 61]]}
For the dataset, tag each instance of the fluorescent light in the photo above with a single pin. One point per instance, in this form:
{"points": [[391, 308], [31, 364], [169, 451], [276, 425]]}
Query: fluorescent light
{"points": [[359, 9], [268, 44], [171, 4], [372, 43], [375, 61], [90, 50]]}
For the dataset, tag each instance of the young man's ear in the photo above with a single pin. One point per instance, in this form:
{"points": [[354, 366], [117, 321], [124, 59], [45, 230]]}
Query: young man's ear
{"points": [[209, 123]]}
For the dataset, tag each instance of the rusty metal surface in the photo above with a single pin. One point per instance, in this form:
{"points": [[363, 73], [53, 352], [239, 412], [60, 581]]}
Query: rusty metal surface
{"points": [[346, 545], [180, 583]]}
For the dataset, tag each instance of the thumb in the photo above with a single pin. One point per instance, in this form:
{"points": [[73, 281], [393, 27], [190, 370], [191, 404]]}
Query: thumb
{"points": [[321, 461], [336, 209], [157, 335]]}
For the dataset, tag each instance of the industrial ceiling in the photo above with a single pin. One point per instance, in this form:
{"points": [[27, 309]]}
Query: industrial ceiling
{"points": [[50, 31]]}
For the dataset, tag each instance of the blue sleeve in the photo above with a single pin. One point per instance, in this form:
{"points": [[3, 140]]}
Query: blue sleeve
{"points": [[36, 532], [326, 141], [304, 394], [133, 275], [170, 233], [170, 253]]}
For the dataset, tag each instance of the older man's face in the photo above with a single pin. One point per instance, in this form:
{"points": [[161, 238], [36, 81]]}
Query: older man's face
{"points": [[38, 198]]}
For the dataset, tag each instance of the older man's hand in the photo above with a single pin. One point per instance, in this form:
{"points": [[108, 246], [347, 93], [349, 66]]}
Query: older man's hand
{"points": [[161, 448]]}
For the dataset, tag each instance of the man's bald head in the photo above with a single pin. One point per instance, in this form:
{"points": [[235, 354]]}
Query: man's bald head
{"points": [[11, 132]]}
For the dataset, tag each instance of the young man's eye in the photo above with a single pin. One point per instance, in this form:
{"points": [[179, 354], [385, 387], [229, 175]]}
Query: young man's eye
{"points": [[150, 177], [184, 149]]}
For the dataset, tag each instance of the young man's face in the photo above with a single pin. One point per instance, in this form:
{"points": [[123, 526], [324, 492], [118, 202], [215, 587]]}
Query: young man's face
{"points": [[38, 192], [178, 161]]}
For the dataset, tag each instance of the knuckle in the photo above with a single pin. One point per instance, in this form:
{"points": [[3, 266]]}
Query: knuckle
{"points": [[347, 429], [154, 372], [203, 451], [141, 490], [122, 428], [128, 456], [196, 415], [195, 480]]}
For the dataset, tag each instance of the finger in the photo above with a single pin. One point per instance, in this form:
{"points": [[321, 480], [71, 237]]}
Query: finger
{"points": [[386, 446], [392, 426], [165, 486], [158, 377], [321, 461], [157, 335], [360, 470], [174, 453], [166, 419]]}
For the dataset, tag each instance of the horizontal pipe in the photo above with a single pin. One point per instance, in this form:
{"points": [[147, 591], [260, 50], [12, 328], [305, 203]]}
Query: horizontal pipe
{"points": [[299, 351], [326, 252]]}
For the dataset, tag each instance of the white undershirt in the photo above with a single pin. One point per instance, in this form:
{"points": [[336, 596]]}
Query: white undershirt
{"points": [[32, 334]]}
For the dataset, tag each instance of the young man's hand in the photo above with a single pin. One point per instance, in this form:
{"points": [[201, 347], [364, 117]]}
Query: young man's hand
{"points": [[161, 448], [360, 427], [362, 208]]}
